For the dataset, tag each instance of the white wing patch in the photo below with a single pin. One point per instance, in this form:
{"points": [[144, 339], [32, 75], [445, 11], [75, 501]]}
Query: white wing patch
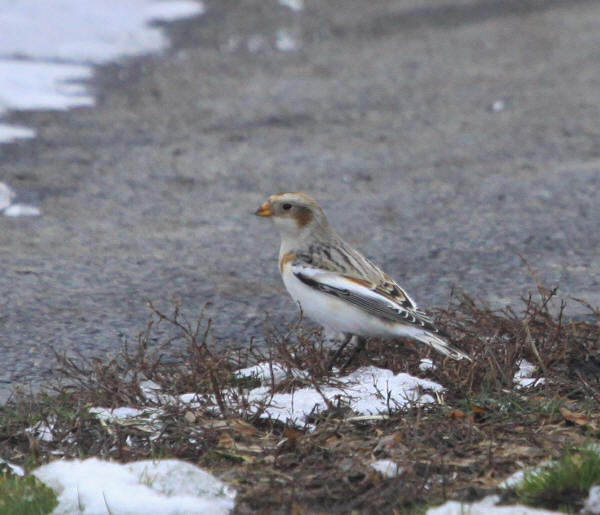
{"points": [[362, 294]]}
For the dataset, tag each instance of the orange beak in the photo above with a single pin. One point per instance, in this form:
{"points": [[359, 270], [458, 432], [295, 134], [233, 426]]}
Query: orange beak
{"points": [[264, 210]]}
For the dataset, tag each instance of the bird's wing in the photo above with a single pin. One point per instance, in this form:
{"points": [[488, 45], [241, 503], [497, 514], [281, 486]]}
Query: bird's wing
{"points": [[385, 300]]}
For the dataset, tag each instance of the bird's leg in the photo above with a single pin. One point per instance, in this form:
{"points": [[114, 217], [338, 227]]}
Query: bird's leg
{"points": [[360, 345], [347, 338]]}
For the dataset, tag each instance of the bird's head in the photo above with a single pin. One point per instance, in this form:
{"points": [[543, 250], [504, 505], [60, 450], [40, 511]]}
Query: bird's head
{"points": [[294, 214]]}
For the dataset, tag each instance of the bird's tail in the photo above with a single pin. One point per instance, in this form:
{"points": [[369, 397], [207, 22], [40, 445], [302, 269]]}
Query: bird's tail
{"points": [[440, 345]]}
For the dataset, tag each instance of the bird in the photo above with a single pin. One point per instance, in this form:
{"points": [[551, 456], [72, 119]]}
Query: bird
{"points": [[339, 288]]}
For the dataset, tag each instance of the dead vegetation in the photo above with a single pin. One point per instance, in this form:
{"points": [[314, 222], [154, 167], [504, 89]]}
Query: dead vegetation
{"points": [[481, 429]]}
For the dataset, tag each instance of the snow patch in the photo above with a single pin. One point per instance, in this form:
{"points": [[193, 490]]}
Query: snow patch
{"points": [[16, 210], [486, 506], [426, 364], [517, 478], [524, 377], [264, 372], [294, 5], [42, 431], [37, 85], [10, 133], [7, 195], [92, 31], [147, 420], [15, 469], [267, 372], [153, 392], [367, 391], [387, 468], [498, 106], [592, 503], [161, 487], [117, 414], [48, 47]]}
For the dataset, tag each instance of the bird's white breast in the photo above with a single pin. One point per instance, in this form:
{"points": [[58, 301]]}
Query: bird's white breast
{"points": [[333, 312]]}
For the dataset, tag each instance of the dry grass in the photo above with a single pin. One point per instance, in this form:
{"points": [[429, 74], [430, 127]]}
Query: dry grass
{"points": [[481, 430]]}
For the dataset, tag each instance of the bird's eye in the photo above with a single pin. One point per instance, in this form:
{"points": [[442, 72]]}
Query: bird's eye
{"points": [[287, 207]]}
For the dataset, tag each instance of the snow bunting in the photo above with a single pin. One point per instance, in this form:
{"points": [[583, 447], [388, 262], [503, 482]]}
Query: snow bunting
{"points": [[336, 285]]}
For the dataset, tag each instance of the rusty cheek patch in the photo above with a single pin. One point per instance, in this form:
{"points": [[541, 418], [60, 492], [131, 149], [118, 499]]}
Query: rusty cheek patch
{"points": [[304, 216], [286, 258]]}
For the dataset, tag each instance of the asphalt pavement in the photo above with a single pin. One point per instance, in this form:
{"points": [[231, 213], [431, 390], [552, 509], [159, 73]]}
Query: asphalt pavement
{"points": [[450, 141]]}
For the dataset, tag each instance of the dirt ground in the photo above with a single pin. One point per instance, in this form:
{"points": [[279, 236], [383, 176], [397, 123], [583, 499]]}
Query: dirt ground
{"points": [[451, 141]]}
